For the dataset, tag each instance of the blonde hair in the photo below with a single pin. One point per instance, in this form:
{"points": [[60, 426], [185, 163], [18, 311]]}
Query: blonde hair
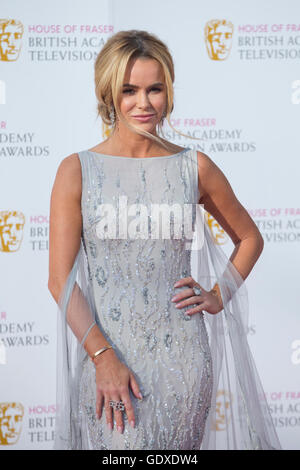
{"points": [[110, 68]]}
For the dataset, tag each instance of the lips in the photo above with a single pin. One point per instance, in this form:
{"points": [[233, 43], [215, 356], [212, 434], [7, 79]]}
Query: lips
{"points": [[143, 115]]}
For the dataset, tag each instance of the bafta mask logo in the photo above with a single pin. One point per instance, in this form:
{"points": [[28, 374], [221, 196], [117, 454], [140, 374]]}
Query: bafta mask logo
{"points": [[11, 230], [223, 401], [11, 416], [11, 32], [106, 130], [218, 38], [219, 235]]}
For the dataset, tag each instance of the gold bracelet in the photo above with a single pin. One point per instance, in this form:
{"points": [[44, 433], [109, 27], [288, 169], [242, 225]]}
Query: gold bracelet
{"points": [[100, 352]]}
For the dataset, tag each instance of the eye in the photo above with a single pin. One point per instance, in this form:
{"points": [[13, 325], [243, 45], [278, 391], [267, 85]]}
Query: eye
{"points": [[155, 89], [128, 91]]}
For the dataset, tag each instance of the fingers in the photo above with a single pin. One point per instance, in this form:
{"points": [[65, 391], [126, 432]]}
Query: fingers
{"points": [[184, 294], [205, 301], [128, 409], [184, 281], [108, 412], [134, 386], [112, 413], [118, 414], [191, 300], [113, 385], [190, 283], [194, 310], [187, 296], [99, 403]]}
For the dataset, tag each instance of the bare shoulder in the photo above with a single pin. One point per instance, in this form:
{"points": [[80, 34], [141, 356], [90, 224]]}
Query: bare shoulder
{"points": [[205, 163], [211, 177], [71, 163], [68, 175], [221, 202]]}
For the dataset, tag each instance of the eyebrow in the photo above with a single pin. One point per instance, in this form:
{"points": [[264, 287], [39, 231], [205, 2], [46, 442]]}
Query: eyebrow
{"points": [[135, 86]]}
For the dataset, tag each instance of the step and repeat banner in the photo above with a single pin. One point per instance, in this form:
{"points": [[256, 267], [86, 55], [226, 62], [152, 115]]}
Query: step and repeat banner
{"points": [[237, 90]]}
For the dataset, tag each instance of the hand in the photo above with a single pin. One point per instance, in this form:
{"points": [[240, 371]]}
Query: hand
{"points": [[210, 301], [112, 380]]}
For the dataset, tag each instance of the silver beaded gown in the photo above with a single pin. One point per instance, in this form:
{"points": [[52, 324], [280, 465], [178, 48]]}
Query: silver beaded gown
{"points": [[133, 283], [124, 283]]}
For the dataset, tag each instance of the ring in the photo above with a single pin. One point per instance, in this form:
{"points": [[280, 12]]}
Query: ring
{"points": [[197, 290], [118, 405]]}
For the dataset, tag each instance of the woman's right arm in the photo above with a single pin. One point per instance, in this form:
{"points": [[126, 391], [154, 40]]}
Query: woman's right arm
{"points": [[64, 243], [112, 376]]}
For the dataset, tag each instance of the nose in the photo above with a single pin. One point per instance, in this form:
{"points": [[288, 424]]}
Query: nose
{"points": [[142, 100]]}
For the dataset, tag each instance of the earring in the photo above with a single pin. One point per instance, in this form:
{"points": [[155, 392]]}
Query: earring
{"points": [[112, 116]]}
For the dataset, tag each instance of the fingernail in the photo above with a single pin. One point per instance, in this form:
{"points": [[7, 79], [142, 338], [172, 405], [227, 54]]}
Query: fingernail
{"points": [[110, 425], [174, 298], [140, 395], [132, 424], [120, 429], [176, 284]]}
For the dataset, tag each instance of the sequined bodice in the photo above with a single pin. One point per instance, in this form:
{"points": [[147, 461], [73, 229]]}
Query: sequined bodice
{"points": [[133, 283]]}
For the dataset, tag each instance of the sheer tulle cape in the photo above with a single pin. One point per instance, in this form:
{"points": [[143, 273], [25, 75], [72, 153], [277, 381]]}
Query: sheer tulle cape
{"points": [[239, 416]]}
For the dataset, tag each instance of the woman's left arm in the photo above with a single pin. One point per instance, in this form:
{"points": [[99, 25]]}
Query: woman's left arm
{"points": [[220, 201]]}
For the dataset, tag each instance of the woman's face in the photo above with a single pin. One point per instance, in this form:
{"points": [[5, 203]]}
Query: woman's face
{"points": [[143, 97]]}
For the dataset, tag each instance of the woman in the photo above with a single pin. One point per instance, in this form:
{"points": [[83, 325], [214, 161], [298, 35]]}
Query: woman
{"points": [[136, 366]]}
